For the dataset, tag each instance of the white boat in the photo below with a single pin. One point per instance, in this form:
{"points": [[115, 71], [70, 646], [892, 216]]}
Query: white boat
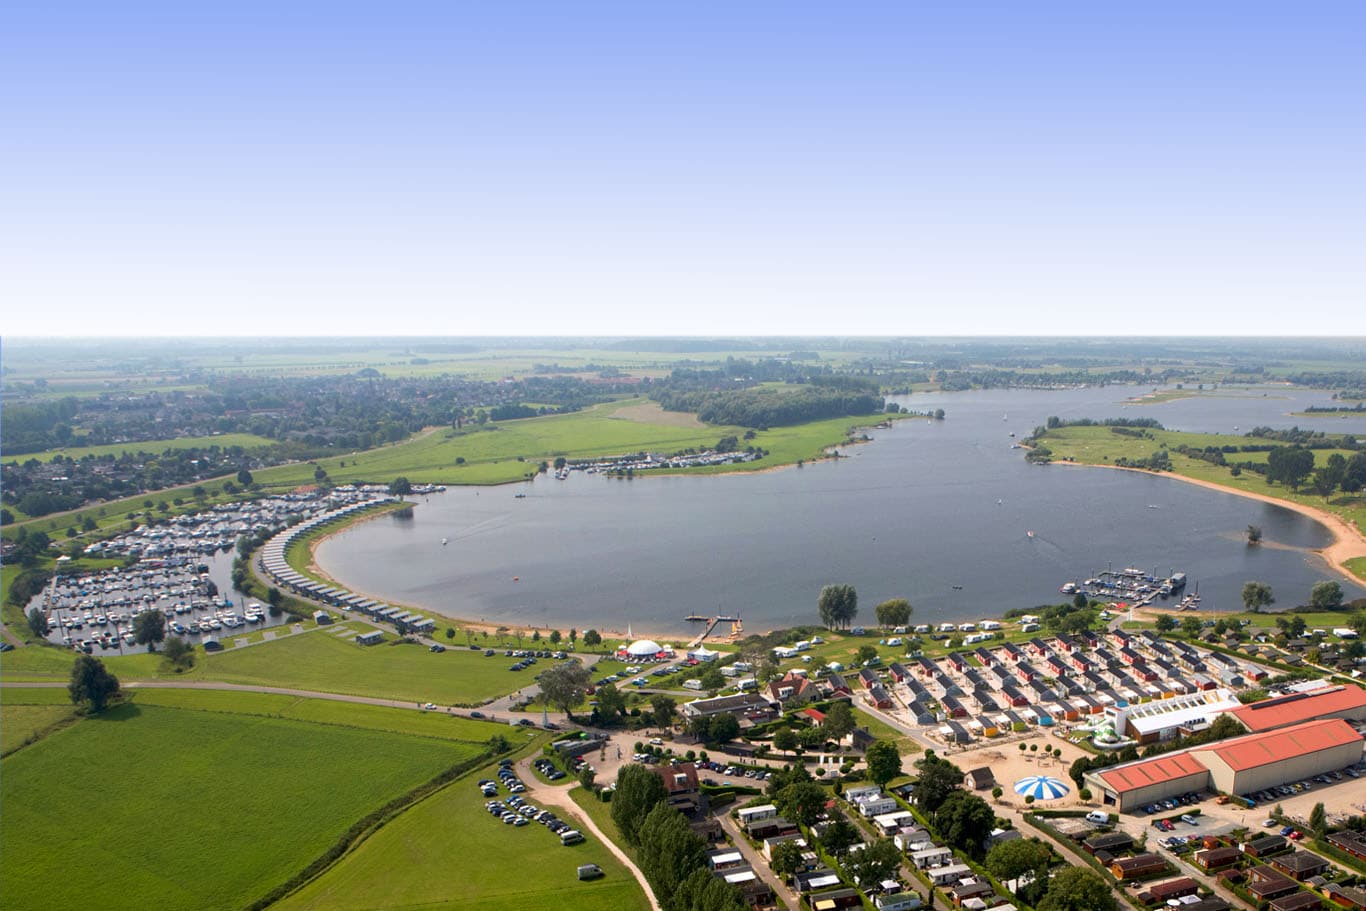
{"points": [[443, 542]]}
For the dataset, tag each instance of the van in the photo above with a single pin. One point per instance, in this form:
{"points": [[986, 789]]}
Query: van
{"points": [[590, 871], [1098, 817], [570, 837]]}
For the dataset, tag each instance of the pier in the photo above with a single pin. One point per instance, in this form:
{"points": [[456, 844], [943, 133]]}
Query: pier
{"points": [[737, 627]]}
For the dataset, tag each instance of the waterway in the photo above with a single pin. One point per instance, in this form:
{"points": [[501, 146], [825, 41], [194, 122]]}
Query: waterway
{"points": [[936, 512]]}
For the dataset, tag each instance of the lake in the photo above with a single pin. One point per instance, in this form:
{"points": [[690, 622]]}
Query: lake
{"points": [[925, 508]]}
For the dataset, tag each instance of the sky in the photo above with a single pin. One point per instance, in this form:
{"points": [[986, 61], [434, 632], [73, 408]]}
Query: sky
{"points": [[475, 168]]}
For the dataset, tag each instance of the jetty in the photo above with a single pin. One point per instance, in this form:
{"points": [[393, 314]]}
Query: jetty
{"points": [[737, 627], [1136, 586]]}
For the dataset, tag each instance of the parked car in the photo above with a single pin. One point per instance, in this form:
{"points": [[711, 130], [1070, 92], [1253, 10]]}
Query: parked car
{"points": [[1189, 819]]}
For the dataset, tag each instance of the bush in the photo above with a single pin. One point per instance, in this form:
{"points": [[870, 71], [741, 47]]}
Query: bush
{"points": [[1029, 798]]}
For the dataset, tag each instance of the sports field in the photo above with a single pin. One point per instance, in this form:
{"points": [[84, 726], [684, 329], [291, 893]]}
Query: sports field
{"points": [[150, 806], [453, 854]]}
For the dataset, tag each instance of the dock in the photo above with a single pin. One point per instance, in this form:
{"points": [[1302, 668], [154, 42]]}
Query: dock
{"points": [[736, 627]]}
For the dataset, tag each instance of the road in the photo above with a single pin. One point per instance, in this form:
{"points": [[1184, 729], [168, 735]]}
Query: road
{"points": [[544, 795], [752, 857]]}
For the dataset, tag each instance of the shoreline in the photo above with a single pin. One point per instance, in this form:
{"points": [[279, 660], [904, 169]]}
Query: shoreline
{"points": [[1348, 541]]}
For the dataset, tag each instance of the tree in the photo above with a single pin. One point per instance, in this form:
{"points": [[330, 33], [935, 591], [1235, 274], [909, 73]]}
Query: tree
{"points": [[801, 802], [91, 683], [712, 678], [37, 621], [668, 851], [638, 791], [1191, 626], [838, 605], [965, 820], [662, 709], [1326, 596], [840, 836], [564, 685], [1290, 465], [450, 632], [401, 487], [149, 628], [725, 727], [785, 739], [1165, 623], [873, 863], [179, 653], [244, 477], [938, 779], [787, 859], [702, 891], [884, 761], [1254, 534], [866, 653], [591, 638], [611, 704], [893, 612], [1077, 889], [555, 637], [839, 721], [1257, 595], [1013, 859], [274, 598], [1331, 475], [1318, 820]]}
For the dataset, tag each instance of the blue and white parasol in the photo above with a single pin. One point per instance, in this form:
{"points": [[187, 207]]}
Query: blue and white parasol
{"points": [[1041, 787]]}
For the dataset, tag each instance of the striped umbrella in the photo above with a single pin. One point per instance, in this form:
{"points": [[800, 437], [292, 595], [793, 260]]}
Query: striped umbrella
{"points": [[1041, 787]]}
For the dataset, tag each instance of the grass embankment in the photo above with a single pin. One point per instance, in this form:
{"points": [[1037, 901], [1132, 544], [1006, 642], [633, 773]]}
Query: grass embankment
{"points": [[464, 858], [318, 660], [187, 808], [223, 441], [1101, 446]]}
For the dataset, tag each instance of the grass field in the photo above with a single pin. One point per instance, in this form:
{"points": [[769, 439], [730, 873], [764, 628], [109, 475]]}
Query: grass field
{"points": [[149, 806], [222, 440], [314, 660], [20, 719], [448, 852]]}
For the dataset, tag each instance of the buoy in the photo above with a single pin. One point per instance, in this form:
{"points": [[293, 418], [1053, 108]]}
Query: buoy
{"points": [[519, 578]]}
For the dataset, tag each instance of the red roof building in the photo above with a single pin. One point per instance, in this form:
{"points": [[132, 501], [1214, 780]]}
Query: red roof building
{"points": [[1334, 702]]}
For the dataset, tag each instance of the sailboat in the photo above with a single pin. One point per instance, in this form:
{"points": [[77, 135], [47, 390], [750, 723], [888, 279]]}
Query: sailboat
{"points": [[443, 542]]}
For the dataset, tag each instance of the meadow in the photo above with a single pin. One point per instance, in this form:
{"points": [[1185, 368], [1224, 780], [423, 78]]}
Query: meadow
{"points": [[456, 855], [153, 806], [222, 440]]}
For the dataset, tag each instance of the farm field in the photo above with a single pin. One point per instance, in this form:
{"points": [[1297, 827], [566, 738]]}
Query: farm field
{"points": [[186, 808], [224, 440], [469, 860]]}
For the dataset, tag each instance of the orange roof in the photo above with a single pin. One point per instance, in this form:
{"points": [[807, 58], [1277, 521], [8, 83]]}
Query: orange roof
{"points": [[1152, 771], [1292, 709], [1255, 750]]}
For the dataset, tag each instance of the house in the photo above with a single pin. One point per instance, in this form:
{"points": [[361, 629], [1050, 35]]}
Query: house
{"points": [[756, 892], [875, 805], [793, 690], [749, 815], [1300, 865], [1265, 846], [835, 899], [1113, 842], [373, 637], [936, 856], [949, 873], [1351, 842], [1297, 901], [770, 827], [1173, 888], [1346, 896], [681, 782], [1138, 866], [980, 779], [322, 618], [897, 901], [813, 880], [1266, 884], [1217, 858], [878, 697], [970, 889], [726, 859], [749, 705]]}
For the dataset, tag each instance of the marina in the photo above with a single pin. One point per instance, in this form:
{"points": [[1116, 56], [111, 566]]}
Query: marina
{"points": [[1136, 587]]}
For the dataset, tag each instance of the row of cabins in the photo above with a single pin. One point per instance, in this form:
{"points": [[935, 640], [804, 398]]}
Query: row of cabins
{"points": [[279, 570], [1280, 879]]}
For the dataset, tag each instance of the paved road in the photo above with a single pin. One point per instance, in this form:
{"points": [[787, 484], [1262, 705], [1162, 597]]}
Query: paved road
{"points": [[544, 794], [756, 860]]}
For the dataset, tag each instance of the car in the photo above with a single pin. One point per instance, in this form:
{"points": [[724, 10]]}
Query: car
{"points": [[1167, 825], [476, 714], [656, 742], [1296, 835], [1098, 816], [1189, 819], [1268, 823], [437, 647], [428, 706], [488, 653]]}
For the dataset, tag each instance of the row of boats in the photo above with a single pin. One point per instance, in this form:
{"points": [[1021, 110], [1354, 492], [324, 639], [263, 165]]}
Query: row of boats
{"points": [[1134, 585]]}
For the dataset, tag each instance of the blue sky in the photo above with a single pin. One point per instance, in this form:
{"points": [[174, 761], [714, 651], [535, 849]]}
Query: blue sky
{"points": [[701, 168]]}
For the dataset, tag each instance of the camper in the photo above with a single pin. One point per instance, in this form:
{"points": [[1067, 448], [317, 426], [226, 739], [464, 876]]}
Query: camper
{"points": [[692, 684]]}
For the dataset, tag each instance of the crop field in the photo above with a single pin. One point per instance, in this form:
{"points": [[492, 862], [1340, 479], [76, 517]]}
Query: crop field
{"points": [[224, 440], [464, 858], [155, 807]]}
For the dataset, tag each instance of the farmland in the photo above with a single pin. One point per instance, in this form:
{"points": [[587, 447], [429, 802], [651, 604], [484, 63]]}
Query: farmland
{"points": [[511, 868], [223, 441], [171, 813]]}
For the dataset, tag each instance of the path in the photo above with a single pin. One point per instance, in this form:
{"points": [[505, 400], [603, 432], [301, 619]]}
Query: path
{"points": [[558, 796], [238, 687], [757, 862]]}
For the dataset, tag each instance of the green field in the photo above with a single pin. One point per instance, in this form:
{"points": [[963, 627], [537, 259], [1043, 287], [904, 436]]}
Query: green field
{"points": [[149, 806], [222, 440], [448, 852], [25, 713], [316, 660]]}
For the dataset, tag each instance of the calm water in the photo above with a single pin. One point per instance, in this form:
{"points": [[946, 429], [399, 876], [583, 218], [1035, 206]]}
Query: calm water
{"points": [[924, 508]]}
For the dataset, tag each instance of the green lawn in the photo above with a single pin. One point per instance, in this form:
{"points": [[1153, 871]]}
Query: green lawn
{"points": [[157, 807], [223, 440], [315, 660], [18, 722], [448, 852]]}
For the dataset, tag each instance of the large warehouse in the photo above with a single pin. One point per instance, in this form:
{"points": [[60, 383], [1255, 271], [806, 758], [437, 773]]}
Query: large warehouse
{"points": [[1233, 766], [1329, 702]]}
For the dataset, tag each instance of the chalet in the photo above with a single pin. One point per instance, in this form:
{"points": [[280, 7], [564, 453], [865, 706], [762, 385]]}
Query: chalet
{"points": [[1217, 858], [927, 668], [771, 844], [984, 656], [985, 702], [1025, 672], [1265, 846], [1353, 843], [1114, 842], [1054, 667], [1173, 888], [949, 873], [981, 779], [755, 814], [1346, 896], [770, 827], [897, 901], [755, 892], [957, 662], [1118, 638], [1064, 644], [792, 690], [969, 889], [1014, 696], [936, 856], [953, 708], [725, 859], [1266, 884], [1297, 901], [891, 823], [1213, 903], [1130, 657], [1012, 653], [877, 696], [898, 672], [956, 733], [812, 880], [837, 687], [1138, 866], [835, 899], [1300, 865], [868, 679], [1037, 647], [875, 805], [1080, 663]]}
